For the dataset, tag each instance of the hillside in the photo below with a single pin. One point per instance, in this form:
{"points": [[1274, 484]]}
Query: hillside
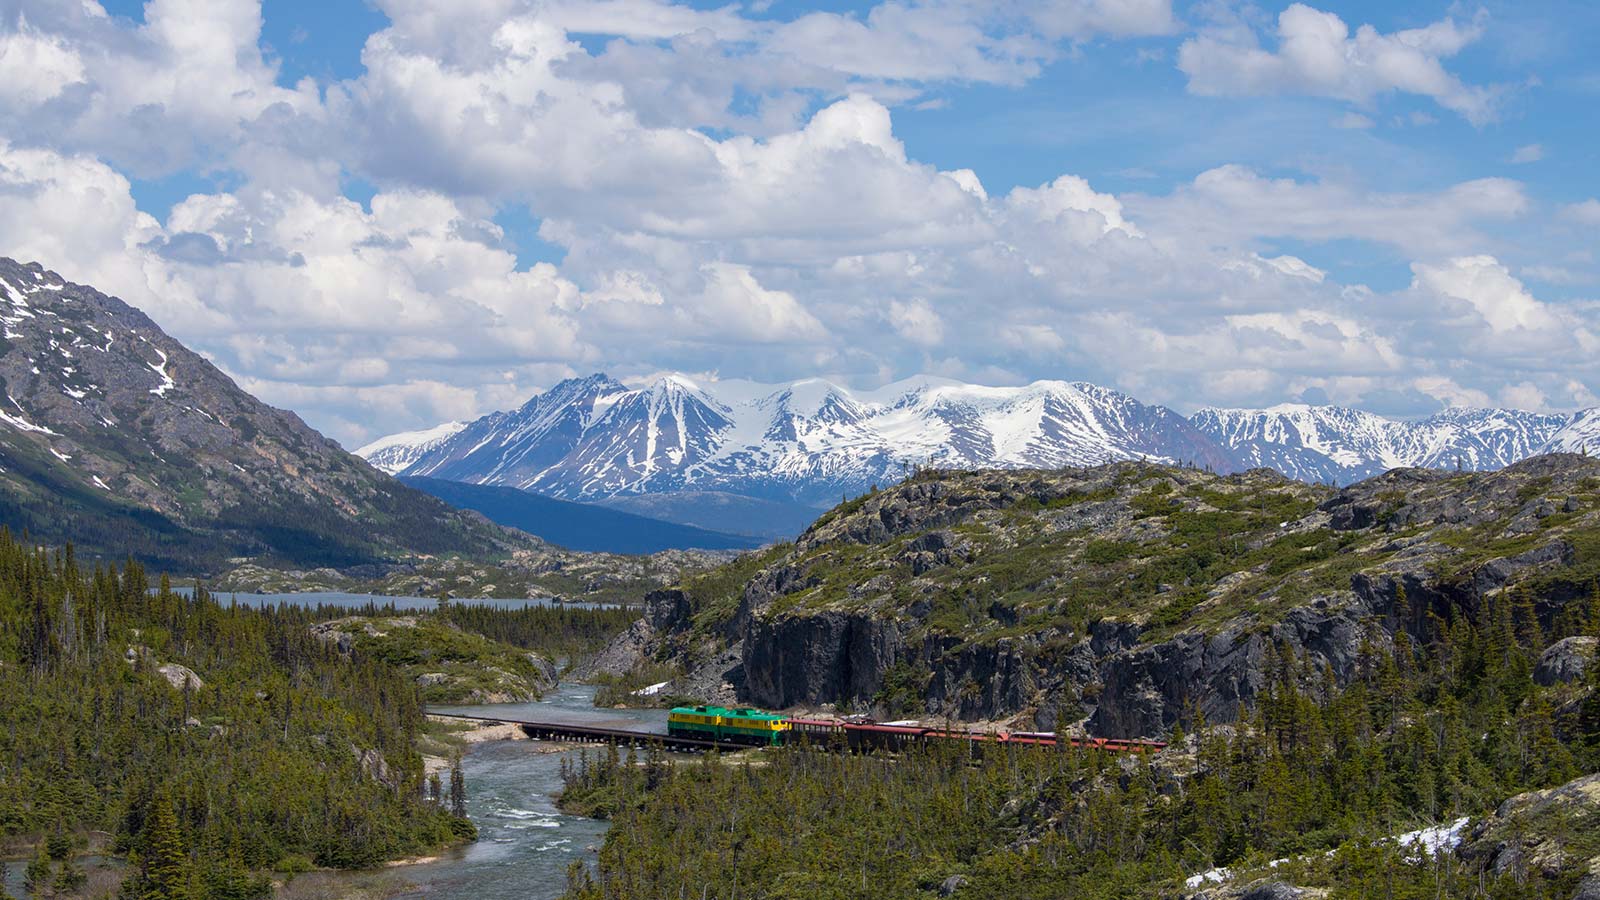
{"points": [[119, 438], [1122, 598], [127, 706], [576, 526]]}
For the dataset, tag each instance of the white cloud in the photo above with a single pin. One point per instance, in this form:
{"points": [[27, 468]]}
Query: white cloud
{"points": [[1234, 205], [1317, 54], [916, 321], [35, 68], [1528, 153], [1584, 213], [792, 235], [186, 86], [1491, 292]]}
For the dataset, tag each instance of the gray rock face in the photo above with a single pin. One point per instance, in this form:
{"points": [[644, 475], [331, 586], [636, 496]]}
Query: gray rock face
{"points": [[814, 659], [1565, 661]]}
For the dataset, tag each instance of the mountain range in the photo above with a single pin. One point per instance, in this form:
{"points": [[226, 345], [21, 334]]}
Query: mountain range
{"points": [[806, 443]]}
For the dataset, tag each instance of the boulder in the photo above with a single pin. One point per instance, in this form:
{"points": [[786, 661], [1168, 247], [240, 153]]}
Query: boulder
{"points": [[1565, 661], [180, 677]]}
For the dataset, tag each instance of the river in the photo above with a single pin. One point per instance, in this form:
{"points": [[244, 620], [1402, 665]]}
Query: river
{"points": [[524, 843]]}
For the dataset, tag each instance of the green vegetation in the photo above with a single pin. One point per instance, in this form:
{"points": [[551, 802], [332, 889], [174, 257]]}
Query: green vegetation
{"points": [[554, 632], [618, 690], [449, 664], [1024, 567], [1432, 729], [278, 749], [544, 572]]}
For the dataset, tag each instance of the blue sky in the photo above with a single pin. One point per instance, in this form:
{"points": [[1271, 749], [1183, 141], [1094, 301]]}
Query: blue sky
{"points": [[424, 210]]}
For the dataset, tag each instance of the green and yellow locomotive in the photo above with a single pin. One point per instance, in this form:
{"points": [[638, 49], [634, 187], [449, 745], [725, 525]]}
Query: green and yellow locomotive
{"points": [[718, 723]]}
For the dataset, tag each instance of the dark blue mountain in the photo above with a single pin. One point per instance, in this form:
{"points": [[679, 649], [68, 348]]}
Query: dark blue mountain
{"points": [[577, 526]]}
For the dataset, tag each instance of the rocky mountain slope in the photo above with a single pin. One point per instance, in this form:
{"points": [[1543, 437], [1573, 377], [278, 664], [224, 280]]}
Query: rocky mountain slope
{"points": [[809, 442], [117, 437], [1121, 598]]}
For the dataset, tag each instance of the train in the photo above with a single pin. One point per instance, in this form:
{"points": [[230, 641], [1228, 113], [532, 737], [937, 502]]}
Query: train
{"points": [[744, 725]]}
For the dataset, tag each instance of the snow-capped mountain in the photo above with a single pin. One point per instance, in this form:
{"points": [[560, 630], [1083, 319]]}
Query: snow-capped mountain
{"points": [[809, 441], [1580, 434], [396, 452], [1332, 443]]}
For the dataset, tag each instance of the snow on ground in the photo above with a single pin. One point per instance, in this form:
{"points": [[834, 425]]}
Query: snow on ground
{"points": [[651, 690], [1424, 842]]}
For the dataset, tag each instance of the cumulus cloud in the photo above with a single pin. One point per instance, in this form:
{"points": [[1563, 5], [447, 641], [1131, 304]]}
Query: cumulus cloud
{"points": [[35, 68], [1491, 294], [1232, 204], [1317, 54], [183, 87], [1584, 213], [783, 235]]}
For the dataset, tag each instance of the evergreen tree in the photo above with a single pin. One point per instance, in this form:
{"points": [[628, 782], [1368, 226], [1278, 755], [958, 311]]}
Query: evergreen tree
{"points": [[38, 877], [165, 873], [458, 789]]}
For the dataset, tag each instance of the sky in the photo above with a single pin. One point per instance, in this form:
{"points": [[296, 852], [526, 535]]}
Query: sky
{"points": [[388, 214]]}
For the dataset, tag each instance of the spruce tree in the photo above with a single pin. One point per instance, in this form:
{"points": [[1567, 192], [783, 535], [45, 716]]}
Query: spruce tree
{"points": [[458, 789], [165, 874]]}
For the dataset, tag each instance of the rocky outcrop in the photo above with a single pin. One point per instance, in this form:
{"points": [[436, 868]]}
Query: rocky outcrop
{"points": [[997, 595], [449, 665], [1550, 832]]}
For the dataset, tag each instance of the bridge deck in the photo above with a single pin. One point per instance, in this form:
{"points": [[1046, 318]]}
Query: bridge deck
{"points": [[560, 731]]}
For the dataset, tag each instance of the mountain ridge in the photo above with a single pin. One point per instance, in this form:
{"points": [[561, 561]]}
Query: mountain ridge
{"points": [[813, 440]]}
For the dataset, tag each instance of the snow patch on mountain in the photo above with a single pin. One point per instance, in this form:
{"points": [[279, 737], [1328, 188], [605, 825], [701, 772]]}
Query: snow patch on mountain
{"points": [[1581, 434], [1332, 443], [394, 453], [809, 441]]}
